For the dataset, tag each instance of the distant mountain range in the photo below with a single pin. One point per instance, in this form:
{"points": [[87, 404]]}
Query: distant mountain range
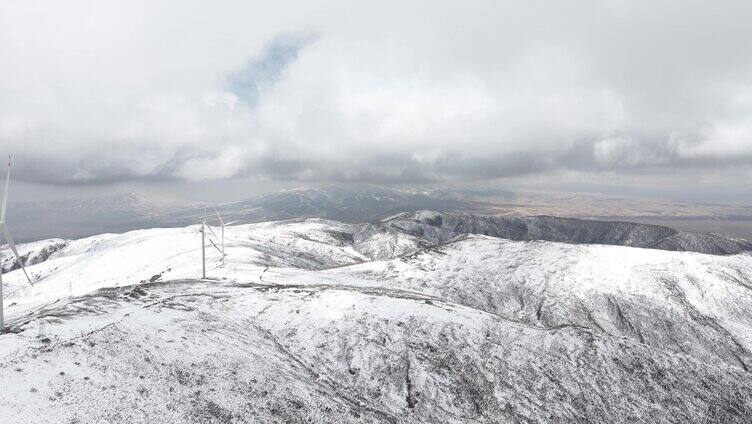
{"points": [[130, 210], [496, 212], [362, 204]]}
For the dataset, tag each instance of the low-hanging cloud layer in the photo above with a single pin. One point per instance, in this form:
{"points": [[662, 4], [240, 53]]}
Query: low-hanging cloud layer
{"points": [[414, 91]]}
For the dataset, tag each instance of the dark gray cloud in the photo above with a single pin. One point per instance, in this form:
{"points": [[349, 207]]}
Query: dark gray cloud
{"points": [[388, 92]]}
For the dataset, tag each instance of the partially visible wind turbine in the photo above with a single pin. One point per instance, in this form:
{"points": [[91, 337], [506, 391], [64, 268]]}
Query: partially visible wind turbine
{"points": [[204, 228], [11, 243]]}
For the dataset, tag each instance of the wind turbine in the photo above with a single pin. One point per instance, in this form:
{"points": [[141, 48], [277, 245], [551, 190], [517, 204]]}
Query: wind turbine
{"points": [[202, 230], [11, 243]]}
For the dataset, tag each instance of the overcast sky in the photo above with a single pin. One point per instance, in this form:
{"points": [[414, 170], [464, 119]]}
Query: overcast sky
{"points": [[651, 94]]}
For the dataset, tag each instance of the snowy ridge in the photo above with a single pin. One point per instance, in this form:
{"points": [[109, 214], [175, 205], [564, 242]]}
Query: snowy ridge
{"points": [[439, 226], [321, 321]]}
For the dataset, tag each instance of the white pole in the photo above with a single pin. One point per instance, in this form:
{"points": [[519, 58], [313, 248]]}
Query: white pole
{"points": [[2, 218], [2, 312], [203, 253]]}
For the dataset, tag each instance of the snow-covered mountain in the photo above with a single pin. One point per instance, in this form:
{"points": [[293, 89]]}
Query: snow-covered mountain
{"points": [[322, 321]]}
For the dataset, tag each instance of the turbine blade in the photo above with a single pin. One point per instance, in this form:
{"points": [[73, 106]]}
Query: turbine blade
{"points": [[215, 246], [12, 245], [5, 194], [217, 212]]}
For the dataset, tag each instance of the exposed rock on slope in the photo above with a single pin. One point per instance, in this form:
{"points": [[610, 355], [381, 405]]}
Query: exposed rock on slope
{"points": [[199, 352], [31, 253]]}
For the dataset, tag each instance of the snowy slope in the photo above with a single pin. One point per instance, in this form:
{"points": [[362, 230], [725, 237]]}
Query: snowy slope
{"points": [[320, 321], [219, 352], [60, 269], [686, 303]]}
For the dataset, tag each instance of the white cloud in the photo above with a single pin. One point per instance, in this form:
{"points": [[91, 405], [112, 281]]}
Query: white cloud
{"points": [[103, 91]]}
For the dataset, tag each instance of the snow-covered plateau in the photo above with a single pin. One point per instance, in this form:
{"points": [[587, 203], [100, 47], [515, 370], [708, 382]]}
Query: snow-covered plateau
{"points": [[321, 321]]}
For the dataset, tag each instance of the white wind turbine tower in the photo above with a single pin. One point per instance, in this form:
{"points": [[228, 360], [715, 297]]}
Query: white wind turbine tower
{"points": [[11, 243], [203, 247]]}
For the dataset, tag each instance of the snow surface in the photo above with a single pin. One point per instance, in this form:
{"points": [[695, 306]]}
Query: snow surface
{"points": [[321, 321]]}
